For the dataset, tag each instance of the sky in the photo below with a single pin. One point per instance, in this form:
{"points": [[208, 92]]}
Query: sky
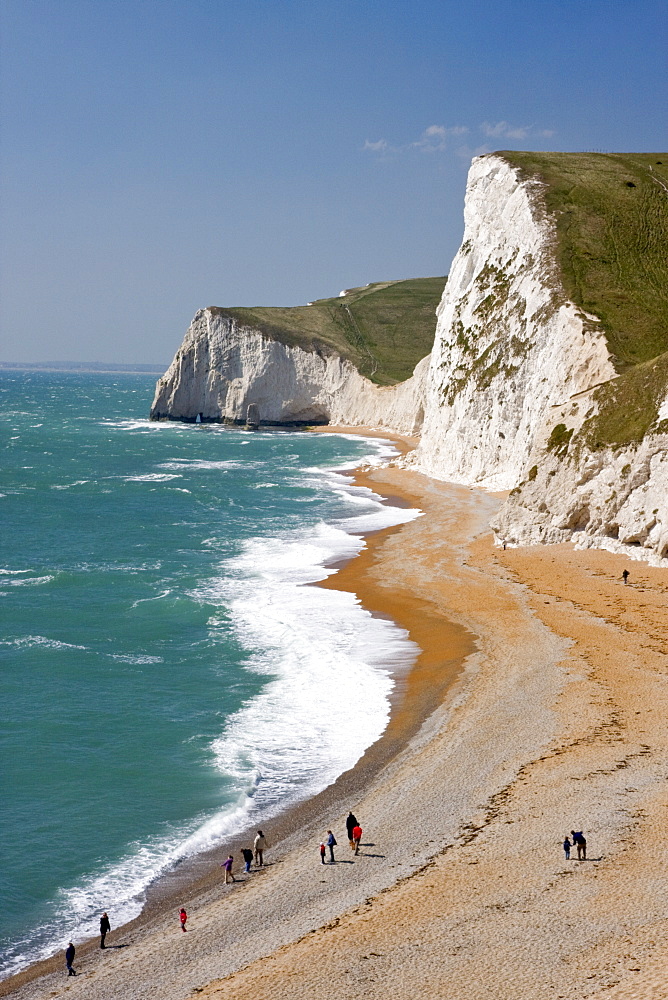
{"points": [[158, 156]]}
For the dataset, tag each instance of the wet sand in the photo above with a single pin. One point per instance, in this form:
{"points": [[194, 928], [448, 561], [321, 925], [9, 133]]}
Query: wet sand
{"points": [[555, 721]]}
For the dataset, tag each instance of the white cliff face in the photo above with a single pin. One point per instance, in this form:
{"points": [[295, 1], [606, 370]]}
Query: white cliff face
{"points": [[504, 403], [221, 368], [611, 498], [512, 361], [508, 344]]}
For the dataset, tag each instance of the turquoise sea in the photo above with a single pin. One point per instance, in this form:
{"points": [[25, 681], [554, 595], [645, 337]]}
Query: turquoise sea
{"points": [[167, 674]]}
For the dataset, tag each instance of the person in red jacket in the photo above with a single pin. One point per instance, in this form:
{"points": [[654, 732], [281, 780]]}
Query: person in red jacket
{"points": [[357, 836], [183, 916]]}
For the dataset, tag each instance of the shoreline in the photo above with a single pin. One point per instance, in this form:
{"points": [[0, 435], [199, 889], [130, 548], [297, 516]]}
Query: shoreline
{"points": [[461, 890], [415, 695]]}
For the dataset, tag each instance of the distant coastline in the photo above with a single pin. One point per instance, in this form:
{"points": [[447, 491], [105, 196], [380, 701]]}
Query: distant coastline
{"points": [[82, 366]]}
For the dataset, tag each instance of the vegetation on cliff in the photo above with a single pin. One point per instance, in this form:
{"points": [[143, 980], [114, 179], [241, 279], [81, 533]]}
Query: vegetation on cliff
{"points": [[384, 329], [611, 216]]}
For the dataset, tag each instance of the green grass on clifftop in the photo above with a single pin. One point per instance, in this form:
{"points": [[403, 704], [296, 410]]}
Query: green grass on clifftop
{"points": [[384, 328], [611, 213]]}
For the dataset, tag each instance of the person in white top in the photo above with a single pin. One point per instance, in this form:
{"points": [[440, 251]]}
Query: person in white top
{"points": [[259, 846]]}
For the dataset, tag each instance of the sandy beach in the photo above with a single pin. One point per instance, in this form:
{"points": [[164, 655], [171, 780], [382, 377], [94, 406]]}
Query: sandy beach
{"points": [[536, 707]]}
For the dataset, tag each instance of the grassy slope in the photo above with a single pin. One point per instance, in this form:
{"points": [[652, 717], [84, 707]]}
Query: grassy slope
{"points": [[611, 214], [384, 328]]}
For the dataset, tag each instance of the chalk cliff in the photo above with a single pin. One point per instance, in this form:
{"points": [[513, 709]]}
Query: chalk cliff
{"points": [[523, 393], [526, 390], [223, 367]]}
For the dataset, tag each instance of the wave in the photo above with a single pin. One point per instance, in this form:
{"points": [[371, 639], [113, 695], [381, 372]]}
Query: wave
{"points": [[29, 641], [329, 669], [33, 581], [138, 658], [151, 477], [203, 463], [144, 600]]}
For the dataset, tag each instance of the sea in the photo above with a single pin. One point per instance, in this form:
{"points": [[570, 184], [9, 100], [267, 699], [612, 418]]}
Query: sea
{"points": [[168, 673]]}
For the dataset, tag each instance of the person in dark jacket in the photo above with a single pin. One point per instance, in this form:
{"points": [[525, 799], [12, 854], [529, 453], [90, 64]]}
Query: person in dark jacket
{"points": [[248, 858], [580, 844], [351, 823], [105, 927], [331, 843], [69, 958]]}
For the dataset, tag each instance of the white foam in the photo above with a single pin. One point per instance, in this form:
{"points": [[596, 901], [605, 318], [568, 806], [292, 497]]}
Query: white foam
{"points": [[68, 486], [144, 600], [329, 665], [30, 641], [151, 477], [201, 463], [138, 658], [144, 425], [33, 581]]}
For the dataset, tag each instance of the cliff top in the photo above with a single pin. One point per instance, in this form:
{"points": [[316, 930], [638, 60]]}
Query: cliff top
{"points": [[384, 328], [611, 215]]}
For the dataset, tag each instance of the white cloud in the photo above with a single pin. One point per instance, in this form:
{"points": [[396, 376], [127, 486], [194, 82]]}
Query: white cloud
{"points": [[503, 128], [514, 131], [433, 140], [376, 147]]}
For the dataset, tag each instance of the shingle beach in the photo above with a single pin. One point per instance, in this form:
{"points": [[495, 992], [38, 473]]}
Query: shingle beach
{"points": [[538, 707]]}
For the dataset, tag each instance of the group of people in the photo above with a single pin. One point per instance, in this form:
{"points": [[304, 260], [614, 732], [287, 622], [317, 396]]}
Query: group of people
{"points": [[578, 842], [70, 951], [354, 831], [260, 845]]}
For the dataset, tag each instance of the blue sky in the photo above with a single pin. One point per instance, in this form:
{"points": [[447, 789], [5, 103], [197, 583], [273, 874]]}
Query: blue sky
{"points": [[162, 155]]}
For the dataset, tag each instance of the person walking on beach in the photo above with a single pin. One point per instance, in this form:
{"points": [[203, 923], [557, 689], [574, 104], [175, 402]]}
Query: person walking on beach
{"points": [[357, 836], [69, 958], [580, 844], [323, 850], [183, 916], [105, 927], [351, 823], [248, 858], [259, 846], [331, 843], [567, 848], [227, 865], [625, 576]]}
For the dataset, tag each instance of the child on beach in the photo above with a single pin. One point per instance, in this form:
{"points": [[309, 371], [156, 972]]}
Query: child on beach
{"points": [[248, 858], [322, 853], [227, 865], [357, 836], [183, 916], [567, 848]]}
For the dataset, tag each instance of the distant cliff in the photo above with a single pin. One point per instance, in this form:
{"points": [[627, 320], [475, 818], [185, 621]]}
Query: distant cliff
{"points": [[343, 360], [222, 368]]}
